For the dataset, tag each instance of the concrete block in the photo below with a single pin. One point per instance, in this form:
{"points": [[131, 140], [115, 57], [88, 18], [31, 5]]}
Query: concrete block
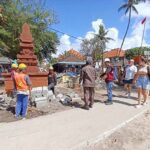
{"points": [[36, 99], [44, 93], [72, 94], [77, 99], [51, 98], [60, 96], [45, 88], [76, 96], [50, 93], [40, 104]]}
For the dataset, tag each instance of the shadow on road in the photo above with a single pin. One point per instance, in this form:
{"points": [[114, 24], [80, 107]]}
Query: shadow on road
{"points": [[124, 103]]}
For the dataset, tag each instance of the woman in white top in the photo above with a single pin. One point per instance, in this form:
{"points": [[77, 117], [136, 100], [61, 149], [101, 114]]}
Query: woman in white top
{"points": [[142, 79]]}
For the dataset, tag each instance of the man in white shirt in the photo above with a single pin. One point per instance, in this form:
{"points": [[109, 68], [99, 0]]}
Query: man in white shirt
{"points": [[130, 72]]}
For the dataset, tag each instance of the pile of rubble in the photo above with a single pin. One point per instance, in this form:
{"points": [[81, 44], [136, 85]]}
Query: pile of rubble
{"points": [[41, 96], [5, 101], [68, 98]]}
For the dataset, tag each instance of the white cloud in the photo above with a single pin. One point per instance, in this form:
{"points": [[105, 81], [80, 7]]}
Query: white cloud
{"points": [[89, 35], [135, 37], [76, 44], [96, 24], [143, 10], [64, 43], [114, 34], [132, 40]]}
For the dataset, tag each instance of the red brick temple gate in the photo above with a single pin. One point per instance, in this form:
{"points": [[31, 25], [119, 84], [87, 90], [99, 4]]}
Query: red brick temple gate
{"points": [[27, 56]]}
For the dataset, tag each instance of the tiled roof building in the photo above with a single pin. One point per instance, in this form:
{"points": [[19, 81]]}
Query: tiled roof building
{"points": [[71, 57], [114, 53]]}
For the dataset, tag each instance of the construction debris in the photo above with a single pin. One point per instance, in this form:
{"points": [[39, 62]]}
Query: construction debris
{"points": [[5, 101]]}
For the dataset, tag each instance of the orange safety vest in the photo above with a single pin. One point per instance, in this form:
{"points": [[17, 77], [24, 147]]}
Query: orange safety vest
{"points": [[20, 82]]}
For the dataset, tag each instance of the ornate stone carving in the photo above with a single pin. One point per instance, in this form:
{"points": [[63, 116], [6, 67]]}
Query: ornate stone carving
{"points": [[27, 55]]}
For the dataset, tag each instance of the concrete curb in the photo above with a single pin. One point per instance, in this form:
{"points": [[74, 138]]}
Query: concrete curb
{"points": [[106, 134]]}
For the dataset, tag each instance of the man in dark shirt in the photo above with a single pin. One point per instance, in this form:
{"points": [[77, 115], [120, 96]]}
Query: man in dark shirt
{"points": [[52, 80], [87, 78]]}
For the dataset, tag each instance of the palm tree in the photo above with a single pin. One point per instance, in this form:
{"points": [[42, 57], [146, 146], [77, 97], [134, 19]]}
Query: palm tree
{"points": [[129, 7], [101, 39]]}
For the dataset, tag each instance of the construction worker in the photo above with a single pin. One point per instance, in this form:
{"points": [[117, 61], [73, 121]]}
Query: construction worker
{"points": [[108, 76], [14, 68], [23, 85], [52, 79]]}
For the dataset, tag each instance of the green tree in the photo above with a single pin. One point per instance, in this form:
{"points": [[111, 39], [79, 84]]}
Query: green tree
{"points": [[131, 53], [53, 61], [88, 46], [16, 12], [95, 47], [102, 40], [129, 6]]}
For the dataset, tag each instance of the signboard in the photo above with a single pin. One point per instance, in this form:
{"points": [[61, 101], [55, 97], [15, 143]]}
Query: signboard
{"points": [[147, 53]]}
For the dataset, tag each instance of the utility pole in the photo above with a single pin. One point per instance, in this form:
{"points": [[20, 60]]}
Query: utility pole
{"points": [[143, 22]]}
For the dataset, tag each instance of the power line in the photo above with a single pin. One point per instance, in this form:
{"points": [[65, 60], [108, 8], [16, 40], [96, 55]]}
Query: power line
{"points": [[71, 36], [66, 34]]}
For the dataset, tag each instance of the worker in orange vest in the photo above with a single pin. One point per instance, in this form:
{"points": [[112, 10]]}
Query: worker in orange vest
{"points": [[14, 68], [23, 85]]}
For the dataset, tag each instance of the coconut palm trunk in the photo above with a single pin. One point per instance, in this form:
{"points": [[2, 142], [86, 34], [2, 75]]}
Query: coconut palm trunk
{"points": [[102, 49], [125, 32]]}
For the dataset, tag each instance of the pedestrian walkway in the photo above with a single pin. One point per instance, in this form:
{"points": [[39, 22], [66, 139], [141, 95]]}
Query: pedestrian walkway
{"points": [[68, 130]]}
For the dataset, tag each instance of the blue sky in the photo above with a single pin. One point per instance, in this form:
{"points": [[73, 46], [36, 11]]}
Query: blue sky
{"points": [[76, 18]]}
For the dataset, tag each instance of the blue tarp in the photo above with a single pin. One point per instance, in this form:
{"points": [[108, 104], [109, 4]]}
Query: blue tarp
{"points": [[71, 74]]}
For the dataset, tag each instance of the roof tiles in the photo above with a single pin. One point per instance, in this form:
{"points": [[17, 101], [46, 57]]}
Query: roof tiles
{"points": [[114, 53]]}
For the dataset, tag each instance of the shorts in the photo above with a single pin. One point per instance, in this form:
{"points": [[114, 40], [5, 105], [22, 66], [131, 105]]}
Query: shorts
{"points": [[143, 82], [128, 81]]}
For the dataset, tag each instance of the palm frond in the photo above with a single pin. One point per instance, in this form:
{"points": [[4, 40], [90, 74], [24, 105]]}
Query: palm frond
{"points": [[139, 1], [110, 39], [127, 10], [134, 9], [106, 32], [124, 6]]}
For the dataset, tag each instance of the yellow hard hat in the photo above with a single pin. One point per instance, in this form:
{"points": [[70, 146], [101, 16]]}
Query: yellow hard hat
{"points": [[22, 66], [14, 66]]}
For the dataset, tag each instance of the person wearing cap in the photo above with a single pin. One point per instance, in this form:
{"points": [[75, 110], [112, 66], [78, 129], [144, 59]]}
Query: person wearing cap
{"points": [[109, 77], [23, 85], [52, 79], [14, 68], [87, 78], [130, 72]]}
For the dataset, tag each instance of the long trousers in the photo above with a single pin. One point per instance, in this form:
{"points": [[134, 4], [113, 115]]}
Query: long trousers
{"points": [[89, 95], [21, 105], [109, 86]]}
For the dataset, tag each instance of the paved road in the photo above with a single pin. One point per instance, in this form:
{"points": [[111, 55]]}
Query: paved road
{"points": [[66, 130]]}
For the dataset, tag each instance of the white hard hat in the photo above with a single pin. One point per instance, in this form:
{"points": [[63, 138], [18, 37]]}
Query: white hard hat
{"points": [[132, 60], [107, 60]]}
